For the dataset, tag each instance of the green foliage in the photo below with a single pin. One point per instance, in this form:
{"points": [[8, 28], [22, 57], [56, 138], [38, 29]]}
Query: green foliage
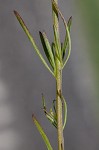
{"points": [[32, 40], [46, 140], [65, 44], [47, 49], [52, 116], [57, 56], [54, 51], [67, 37]]}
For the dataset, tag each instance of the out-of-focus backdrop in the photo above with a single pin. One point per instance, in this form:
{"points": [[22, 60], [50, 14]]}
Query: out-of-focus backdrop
{"points": [[23, 78]]}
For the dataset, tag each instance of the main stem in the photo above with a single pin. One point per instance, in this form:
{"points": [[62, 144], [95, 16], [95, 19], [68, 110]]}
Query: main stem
{"points": [[59, 105], [58, 87]]}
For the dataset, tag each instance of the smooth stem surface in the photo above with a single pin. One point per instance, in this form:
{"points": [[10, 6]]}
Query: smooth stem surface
{"points": [[58, 86], [59, 105]]}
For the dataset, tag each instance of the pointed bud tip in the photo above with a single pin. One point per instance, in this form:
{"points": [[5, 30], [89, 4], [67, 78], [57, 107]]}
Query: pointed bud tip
{"points": [[70, 18], [15, 12]]}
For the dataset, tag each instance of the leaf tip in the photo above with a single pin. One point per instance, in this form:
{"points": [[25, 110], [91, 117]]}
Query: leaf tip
{"points": [[33, 117], [70, 20], [40, 34], [16, 13]]}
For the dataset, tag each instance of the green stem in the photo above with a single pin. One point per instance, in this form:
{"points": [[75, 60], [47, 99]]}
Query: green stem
{"points": [[59, 105], [58, 85]]}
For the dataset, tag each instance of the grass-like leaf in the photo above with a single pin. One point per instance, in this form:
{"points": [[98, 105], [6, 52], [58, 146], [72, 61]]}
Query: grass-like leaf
{"points": [[51, 116], [65, 44], [53, 49], [32, 40], [45, 138], [57, 44], [47, 49], [65, 111], [67, 30]]}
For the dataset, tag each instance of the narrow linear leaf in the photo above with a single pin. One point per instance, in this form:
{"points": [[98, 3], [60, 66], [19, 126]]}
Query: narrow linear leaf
{"points": [[44, 46], [69, 23], [56, 33], [65, 112], [32, 40], [53, 49], [51, 116], [46, 140], [65, 44], [57, 43], [54, 117], [55, 54], [47, 49], [66, 28]]}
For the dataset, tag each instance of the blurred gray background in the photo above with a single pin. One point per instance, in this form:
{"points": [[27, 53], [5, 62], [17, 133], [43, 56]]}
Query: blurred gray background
{"points": [[23, 78]]}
